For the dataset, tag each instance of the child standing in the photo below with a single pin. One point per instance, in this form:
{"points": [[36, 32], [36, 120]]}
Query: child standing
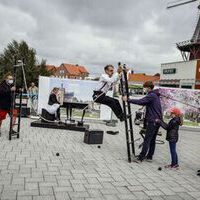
{"points": [[172, 135]]}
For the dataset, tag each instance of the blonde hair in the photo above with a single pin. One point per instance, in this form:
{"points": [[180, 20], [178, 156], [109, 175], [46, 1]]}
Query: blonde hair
{"points": [[6, 76]]}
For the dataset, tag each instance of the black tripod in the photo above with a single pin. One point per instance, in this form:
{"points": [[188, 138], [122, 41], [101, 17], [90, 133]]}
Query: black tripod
{"points": [[17, 68], [127, 111]]}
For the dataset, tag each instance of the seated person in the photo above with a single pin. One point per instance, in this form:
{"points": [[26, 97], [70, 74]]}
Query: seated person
{"points": [[53, 103]]}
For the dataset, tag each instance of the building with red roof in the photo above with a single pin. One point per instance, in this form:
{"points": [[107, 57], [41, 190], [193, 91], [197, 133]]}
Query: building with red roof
{"points": [[71, 71], [51, 68], [141, 78]]}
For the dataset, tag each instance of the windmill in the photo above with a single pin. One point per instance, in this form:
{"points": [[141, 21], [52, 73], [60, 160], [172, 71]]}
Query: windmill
{"points": [[189, 49]]}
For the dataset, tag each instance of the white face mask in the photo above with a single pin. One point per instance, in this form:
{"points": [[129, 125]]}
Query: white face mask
{"points": [[145, 90], [10, 82]]}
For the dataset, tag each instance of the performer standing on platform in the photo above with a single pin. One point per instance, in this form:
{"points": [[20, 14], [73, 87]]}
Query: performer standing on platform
{"points": [[53, 104], [106, 82], [6, 89]]}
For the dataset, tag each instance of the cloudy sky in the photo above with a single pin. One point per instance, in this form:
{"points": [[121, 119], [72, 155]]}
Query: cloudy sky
{"points": [[141, 33]]}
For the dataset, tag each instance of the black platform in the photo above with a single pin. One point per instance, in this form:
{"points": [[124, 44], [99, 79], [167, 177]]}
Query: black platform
{"points": [[53, 125]]}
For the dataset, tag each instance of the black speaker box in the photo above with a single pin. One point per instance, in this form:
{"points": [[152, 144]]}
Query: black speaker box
{"points": [[93, 136], [46, 115]]}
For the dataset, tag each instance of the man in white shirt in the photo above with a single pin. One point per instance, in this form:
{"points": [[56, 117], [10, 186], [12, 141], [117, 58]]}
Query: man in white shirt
{"points": [[106, 83]]}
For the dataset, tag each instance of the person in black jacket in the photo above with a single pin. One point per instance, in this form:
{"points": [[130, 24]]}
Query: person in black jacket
{"points": [[54, 104], [172, 135], [6, 89]]}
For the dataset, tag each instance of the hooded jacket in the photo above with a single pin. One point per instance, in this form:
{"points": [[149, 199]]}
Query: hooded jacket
{"points": [[172, 129], [153, 105], [5, 96]]}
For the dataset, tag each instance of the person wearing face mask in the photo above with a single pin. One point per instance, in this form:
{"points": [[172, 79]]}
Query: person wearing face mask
{"points": [[6, 89], [153, 111]]}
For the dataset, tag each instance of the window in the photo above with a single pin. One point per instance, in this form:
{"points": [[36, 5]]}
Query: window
{"points": [[62, 71]]}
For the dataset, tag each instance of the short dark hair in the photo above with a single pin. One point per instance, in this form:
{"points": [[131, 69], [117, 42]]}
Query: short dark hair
{"points": [[148, 84], [107, 66], [55, 89]]}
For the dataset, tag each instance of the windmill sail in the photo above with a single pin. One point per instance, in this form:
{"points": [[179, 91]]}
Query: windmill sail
{"points": [[196, 35]]}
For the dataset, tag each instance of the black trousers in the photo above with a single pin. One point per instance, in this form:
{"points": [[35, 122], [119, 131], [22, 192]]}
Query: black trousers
{"points": [[58, 113], [110, 102], [149, 144]]}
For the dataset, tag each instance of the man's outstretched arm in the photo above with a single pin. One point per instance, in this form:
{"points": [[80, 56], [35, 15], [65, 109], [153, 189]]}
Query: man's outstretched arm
{"points": [[142, 102]]}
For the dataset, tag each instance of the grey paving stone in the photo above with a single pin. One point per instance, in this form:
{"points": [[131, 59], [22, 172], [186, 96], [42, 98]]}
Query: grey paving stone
{"points": [[63, 189], [111, 197], [185, 196], [25, 198], [153, 192], [95, 193], [9, 195], [43, 198], [78, 194], [173, 197], [140, 195], [46, 191], [62, 196], [28, 192]]}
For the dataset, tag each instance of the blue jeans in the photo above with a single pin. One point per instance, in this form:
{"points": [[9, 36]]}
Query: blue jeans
{"points": [[174, 156]]}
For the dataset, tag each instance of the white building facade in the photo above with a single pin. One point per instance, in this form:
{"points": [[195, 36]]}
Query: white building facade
{"points": [[185, 74]]}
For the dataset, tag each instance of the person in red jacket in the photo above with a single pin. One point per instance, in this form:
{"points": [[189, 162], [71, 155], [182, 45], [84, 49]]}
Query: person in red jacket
{"points": [[6, 89]]}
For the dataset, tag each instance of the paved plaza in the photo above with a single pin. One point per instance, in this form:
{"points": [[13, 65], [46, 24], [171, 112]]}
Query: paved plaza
{"points": [[30, 169]]}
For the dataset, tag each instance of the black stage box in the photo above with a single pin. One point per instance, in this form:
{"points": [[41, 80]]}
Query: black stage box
{"points": [[93, 136], [46, 115]]}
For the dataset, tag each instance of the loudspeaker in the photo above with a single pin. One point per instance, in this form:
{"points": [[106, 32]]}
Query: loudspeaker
{"points": [[46, 115], [93, 136]]}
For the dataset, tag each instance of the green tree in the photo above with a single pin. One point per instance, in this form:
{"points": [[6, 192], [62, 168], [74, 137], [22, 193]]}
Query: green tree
{"points": [[21, 51]]}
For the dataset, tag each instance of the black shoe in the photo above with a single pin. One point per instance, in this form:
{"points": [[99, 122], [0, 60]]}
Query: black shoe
{"points": [[14, 132], [198, 174], [138, 160], [128, 116], [198, 171], [112, 132], [149, 159], [123, 117]]}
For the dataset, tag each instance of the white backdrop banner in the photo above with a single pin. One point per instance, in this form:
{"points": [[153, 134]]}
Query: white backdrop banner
{"points": [[75, 91]]}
